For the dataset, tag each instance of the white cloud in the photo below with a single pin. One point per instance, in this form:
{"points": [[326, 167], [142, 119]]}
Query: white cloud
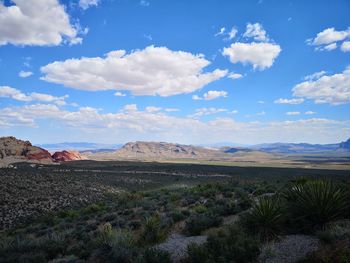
{"points": [[119, 94], [235, 76], [211, 95], [260, 55], [333, 89], [261, 102], [130, 107], [25, 74], [330, 47], [232, 33], [9, 92], [134, 125], [85, 4], [256, 31], [292, 113], [330, 35], [345, 47], [328, 38], [171, 109], [315, 75], [310, 112], [153, 109], [221, 31], [207, 111], [36, 23], [151, 71], [289, 101], [262, 113]]}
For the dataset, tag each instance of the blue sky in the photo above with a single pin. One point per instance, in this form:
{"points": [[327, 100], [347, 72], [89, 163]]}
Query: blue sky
{"points": [[181, 71]]}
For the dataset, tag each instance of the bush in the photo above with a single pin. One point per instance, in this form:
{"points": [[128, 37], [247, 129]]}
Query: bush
{"points": [[316, 203], [196, 223], [265, 218], [228, 245], [152, 255], [152, 231], [338, 252]]}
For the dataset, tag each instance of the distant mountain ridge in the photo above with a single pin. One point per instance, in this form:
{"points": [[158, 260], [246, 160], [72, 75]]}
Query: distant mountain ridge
{"points": [[79, 146]]}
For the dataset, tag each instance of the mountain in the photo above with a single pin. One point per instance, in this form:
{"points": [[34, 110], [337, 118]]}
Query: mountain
{"points": [[12, 150], [80, 146], [296, 148], [345, 145]]}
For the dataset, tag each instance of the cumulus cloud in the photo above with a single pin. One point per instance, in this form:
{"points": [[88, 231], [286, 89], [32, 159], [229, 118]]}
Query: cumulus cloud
{"points": [[257, 32], [211, 95], [345, 47], [333, 89], [9, 92], [289, 101], [36, 23], [25, 74], [260, 55], [151, 71], [292, 113], [233, 32], [328, 38], [85, 4], [125, 125]]}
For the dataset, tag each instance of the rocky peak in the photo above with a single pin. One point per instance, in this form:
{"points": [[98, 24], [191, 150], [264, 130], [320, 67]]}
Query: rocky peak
{"points": [[12, 147]]}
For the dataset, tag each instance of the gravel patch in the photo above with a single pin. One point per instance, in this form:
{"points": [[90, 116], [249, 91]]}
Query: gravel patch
{"points": [[288, 249], [176, 245]]}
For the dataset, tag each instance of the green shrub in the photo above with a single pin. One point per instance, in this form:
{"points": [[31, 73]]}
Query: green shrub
{"points": [[315, 203], [228, 245], [265, 218], [152, 231], [152, 255], [197, 223]]}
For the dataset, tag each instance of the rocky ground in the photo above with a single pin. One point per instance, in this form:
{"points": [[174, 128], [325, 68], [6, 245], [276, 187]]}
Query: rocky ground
{"points": [[30, 193]]}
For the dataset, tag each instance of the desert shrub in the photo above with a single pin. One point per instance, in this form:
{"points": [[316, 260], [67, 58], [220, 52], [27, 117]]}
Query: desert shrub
{"points": [[177, 215], [315, 203], [67, 259], [197, 223], [265, 218], [152, 231], [338, 252], [94, 208], [105, 235], [339, 230], [200, 209], [122, 247], [228, 245], [152, 255]]}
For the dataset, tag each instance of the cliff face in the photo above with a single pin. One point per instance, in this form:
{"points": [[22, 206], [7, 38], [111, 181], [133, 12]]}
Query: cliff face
{"points": [[10, 147]]}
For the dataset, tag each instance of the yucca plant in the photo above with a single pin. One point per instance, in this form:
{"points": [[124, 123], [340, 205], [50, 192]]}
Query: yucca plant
{"points": [[152, 231], [265, 218], [317, 202]]}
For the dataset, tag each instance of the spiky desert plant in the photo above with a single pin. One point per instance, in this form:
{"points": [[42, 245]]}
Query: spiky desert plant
{"points": [[152, 231], [105, 234], [265, 218], [317, 202]]}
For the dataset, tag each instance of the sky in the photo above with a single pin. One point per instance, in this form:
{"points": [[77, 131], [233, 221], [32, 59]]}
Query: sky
{"points": [[193, 72]]}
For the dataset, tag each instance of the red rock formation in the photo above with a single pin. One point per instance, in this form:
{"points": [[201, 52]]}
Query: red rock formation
{"points": [[65, 156], [10, 147]]}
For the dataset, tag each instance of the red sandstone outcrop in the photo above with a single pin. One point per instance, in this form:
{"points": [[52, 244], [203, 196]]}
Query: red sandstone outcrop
{"points": [[10, 147], [65, 156]]}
